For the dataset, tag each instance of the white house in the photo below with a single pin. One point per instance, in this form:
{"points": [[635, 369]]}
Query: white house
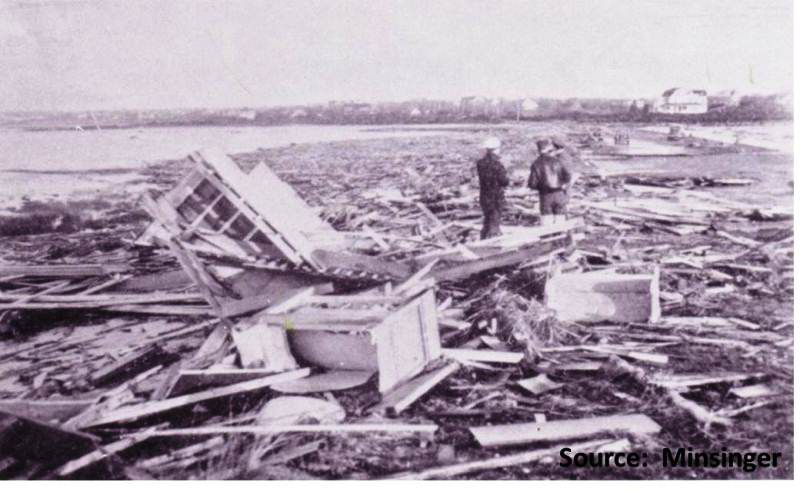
{"points": [[682, 101], [528, 108]]}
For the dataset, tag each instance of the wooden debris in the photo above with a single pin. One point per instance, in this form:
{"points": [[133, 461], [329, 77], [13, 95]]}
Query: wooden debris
{"points": [[484, 356], [137, 412], [101, 454], [754, 391], [130, 365], [405, 395], [539, 384], [698, 412], [45, 410], [517, 459], [556, 430], [313, 429], [190, 380], [327, 381]]}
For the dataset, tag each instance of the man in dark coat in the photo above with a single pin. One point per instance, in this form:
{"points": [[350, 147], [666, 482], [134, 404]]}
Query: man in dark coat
{"points": [[551, 178], [492, 178]]}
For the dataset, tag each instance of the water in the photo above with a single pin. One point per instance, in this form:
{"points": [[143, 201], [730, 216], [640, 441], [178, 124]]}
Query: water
{"points": [[131, 148], [69, 163]]}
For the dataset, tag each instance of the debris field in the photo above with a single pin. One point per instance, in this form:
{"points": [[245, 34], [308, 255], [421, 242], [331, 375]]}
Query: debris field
{"points": [[328, 311]]}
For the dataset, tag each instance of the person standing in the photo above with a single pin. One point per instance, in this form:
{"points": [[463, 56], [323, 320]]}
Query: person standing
{"points": [[492, 178], [551, 178]]}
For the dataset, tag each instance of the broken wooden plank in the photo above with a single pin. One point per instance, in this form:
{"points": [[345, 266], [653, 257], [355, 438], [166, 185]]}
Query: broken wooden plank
{"points": [[539, 384], [321, 428], [100, 454], [45, 410], [190, 380], [697, 411], [484, 355], [352, 261], [754, 391], [138, 361], [328, 381], [450, 471], [149, 409], [406, 394], [539, 250], [678, 381], [556, 430], [62, 270]]}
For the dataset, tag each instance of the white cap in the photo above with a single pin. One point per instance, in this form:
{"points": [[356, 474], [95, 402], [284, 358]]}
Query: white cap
{"points": [[491, 143]]}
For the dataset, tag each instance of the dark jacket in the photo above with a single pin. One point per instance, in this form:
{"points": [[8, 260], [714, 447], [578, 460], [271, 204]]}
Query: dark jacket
{"points": [[548, 174], [492, 178]]}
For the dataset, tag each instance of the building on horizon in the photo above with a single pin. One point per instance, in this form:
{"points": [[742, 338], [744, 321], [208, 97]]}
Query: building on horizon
{"points": [[679, 100]]}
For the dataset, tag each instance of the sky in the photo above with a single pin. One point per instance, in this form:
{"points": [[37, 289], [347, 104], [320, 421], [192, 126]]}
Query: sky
{"points": [[137, 54]]}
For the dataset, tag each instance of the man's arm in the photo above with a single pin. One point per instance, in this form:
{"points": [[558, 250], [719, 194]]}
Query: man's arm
{"points": [[502, 176], [533, 179], [565, 176]]}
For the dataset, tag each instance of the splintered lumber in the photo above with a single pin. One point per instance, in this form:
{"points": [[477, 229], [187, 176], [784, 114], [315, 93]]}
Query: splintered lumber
{"points": [[100, 454], [194, 379], [556, 430], [332, 260], [320, 428], [61, 271], [132, 364], [754, 391], [45, 410], [484, 355], [406, 394], [678, 381], [149, 409], [505, 258], [328, 381], [25, 438], [499, 462], [539, 384], [697, 411], [604, 296]]}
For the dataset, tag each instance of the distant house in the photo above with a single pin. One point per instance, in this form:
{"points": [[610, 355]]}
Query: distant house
{"points": [[528, 108], [682, 101], [415, 113]]}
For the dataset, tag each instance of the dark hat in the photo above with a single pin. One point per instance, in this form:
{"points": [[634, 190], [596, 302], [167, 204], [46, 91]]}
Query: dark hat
{"points": [[543, 144]]}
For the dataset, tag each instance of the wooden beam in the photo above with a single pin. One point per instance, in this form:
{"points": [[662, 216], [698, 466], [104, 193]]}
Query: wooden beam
{"points": [[45, 410], [557, 430], [149, 409], [484, 355], [61, 270], [406, 394], [321, 428], [138, 361]]}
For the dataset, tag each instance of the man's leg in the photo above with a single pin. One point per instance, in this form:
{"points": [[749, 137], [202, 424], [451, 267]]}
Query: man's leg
{"points": [[546, 208], [493, 223]]}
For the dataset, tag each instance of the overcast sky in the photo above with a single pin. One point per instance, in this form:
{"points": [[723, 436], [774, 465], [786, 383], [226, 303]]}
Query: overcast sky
{"points": [[74, 54]]}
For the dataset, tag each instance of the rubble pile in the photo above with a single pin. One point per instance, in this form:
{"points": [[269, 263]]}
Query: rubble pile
{"points": [[245, 334]]}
